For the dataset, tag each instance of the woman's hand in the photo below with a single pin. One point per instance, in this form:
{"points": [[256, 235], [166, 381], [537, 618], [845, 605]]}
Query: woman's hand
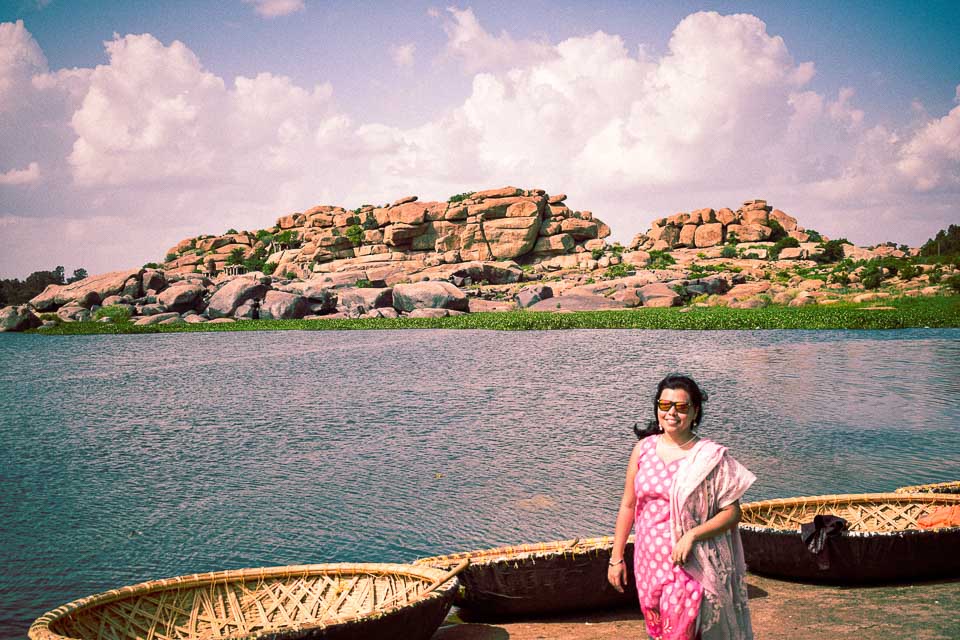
{"points": [[617, 576], [681, 550]]}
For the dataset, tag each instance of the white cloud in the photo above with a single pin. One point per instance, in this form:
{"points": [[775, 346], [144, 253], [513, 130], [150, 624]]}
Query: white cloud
{"points": [[276, 8], [402, 54], [20, 58], [479, 50], [165, 149], [153, 115], [21, 176], [931, 159]]}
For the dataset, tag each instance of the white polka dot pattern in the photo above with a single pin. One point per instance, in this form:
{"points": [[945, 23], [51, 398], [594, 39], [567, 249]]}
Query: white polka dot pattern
{"points": [[669, 597]]}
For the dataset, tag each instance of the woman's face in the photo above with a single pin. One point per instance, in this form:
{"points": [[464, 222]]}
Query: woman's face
{"points": [[672, 421]]}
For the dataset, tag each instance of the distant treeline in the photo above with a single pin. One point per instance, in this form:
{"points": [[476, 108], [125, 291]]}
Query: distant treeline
{"points": [[15, 291], [945, 243]]}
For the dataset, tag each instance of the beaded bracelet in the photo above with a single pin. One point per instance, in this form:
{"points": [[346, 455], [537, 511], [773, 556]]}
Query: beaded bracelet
{"points": [[613, 564]]}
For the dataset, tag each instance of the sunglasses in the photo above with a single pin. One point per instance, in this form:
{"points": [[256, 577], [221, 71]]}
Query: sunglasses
{"points": [[682, 407]]}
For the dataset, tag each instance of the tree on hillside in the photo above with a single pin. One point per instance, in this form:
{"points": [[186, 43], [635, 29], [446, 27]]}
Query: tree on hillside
{"points": [[14, 291], [78, 274], [236, 256], [945, 243]]}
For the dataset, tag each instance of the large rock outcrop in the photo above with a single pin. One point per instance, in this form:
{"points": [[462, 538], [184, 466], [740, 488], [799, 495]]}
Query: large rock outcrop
{"points": [[409, 235], [755, 221], [19, 318], [90, 290]]}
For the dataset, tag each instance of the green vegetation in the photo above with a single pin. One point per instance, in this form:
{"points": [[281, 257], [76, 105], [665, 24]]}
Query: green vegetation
{"points": [[236, 256], [269, 268], [728, 251], [935, 312], [230, 232], [698, 270], [840, 277], [777, 232], [116, 312], [14, 291], [170, 257], [596, 254], [151, 265], [660, 260], [256, 260], [954, 282], [363, 283], [617, 271], [460, 197], [780, 245], [813, 235], [264, 236], [290, 238], [370, 223], [831, 251], [355, 233], [945, 243]]}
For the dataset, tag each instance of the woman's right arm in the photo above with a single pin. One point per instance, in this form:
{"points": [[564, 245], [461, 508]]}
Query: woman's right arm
{"points": [[617, 571]]}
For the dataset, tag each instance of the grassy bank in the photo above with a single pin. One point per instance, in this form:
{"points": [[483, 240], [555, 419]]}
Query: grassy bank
{"points": [[937, 312]]}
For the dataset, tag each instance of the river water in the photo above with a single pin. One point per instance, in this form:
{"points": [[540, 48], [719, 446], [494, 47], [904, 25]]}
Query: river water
{"points": [[130, 458]]}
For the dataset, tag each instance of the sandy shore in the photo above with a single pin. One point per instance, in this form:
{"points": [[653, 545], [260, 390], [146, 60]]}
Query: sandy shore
{"points": [[781, 610]]}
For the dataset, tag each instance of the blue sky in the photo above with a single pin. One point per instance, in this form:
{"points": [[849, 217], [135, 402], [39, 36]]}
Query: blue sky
{"points": [[843, 114]]}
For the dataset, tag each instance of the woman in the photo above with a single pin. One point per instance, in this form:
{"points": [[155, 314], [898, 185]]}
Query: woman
{"points": [[682, 496]]}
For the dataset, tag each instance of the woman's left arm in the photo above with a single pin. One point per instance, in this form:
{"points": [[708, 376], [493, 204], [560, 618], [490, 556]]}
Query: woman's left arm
{"points": [[724, 520]]}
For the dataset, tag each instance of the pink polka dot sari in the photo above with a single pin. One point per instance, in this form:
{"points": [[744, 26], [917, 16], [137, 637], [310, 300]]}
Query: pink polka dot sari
{"points": [[669, 596]]}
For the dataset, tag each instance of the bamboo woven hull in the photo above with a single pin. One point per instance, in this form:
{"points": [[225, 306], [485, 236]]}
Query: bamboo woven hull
{"points": [[538, 579], [884, 543], [333, 602], [938, 487], [856, 558]]}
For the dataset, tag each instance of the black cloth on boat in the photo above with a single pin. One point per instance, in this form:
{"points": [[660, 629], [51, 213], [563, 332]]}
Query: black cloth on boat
{"points": [[815, 535]]}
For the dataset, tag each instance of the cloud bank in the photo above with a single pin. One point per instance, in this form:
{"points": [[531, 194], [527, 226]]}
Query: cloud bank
{"points": [[164, 148]]}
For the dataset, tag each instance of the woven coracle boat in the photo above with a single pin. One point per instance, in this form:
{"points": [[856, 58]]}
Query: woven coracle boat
{"points": [[883, 542], [302, 601], [543, 578], [937, 487]]}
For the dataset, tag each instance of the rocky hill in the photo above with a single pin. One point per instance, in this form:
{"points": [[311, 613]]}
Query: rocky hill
{"points": [[755, 221], [393, 241], [494, 250]]}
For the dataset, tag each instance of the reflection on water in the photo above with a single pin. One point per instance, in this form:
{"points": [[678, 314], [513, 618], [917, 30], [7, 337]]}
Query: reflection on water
{"points": [[129, 458]]}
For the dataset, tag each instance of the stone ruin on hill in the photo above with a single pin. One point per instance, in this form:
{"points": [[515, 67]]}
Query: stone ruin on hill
{"points": [[498, 224], [753, 222]]}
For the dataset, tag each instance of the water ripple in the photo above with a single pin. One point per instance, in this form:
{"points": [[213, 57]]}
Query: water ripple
{"points": [[129, 458]]}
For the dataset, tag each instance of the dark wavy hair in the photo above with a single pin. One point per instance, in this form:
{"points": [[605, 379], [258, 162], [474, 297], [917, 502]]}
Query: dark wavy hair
{"points": [[673, 381]]}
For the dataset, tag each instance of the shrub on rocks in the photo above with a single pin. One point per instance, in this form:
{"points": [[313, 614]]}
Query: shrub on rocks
{"points": [[781, 244], [115, 312]]}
